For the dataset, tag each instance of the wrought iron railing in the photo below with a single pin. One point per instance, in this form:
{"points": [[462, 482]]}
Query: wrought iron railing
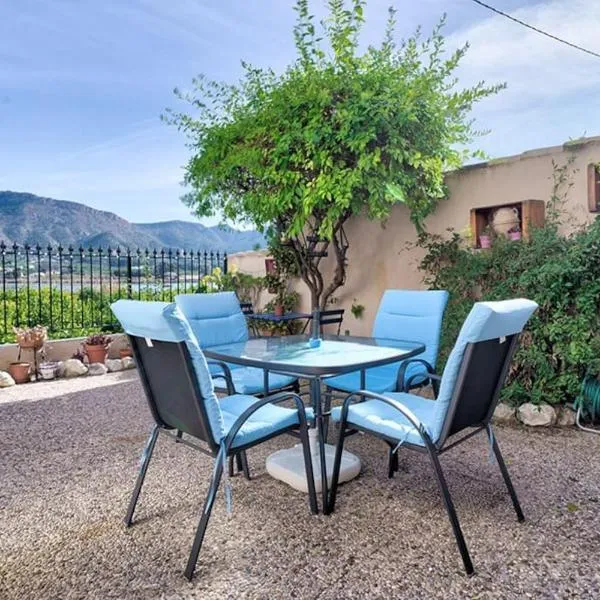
{"points": [[69, 290]]}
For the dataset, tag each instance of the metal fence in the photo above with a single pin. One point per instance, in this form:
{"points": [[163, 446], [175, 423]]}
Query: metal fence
{"points": [[69, 290]]}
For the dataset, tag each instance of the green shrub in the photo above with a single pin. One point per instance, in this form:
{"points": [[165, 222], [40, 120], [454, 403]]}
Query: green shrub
{"points": [[561, 273]]}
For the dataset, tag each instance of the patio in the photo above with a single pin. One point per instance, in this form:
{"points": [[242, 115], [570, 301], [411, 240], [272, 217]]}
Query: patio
{"points": [[66, 484]]}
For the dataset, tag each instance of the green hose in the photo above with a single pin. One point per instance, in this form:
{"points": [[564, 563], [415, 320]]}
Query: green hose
{"points": [[587, 403]]}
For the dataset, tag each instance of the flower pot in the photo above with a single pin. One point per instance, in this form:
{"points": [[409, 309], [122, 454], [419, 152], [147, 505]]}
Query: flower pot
{"points": [[278, 310], [125, 352], [95, 354], [515, 236], [19, 371], [48, 370], [485, 241]]}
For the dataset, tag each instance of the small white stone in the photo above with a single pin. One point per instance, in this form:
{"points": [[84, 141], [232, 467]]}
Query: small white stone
{"points": [[74, 368], [60, 368], [504, 414], [97, 369], [128, 362], [565, 417], [542, 415], [114, 364], [6, 380]]}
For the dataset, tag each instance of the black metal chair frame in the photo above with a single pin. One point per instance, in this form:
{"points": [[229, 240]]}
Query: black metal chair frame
{"points": [[218, 451], [465, 394]]}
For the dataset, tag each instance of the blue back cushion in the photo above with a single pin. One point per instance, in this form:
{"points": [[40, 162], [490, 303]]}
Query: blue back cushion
{"points": [[214, 318], [414, 315], [486, 321], [164, 322]]}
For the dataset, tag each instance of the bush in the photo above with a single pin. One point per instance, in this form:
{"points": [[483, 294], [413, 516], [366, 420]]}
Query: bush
{"points": [[561, 343]]}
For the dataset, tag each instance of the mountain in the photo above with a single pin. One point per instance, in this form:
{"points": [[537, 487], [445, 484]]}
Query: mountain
{"points": [[30, 219]]}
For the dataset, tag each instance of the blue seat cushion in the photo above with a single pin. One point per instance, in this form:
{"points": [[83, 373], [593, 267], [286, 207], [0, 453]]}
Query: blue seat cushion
{"points": [[378, 379], [250, 380], [266, 421], [383, 419]]}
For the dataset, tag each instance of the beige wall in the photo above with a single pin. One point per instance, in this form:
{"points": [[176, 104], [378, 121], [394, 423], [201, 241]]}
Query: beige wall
{"points": [[379, 257]]}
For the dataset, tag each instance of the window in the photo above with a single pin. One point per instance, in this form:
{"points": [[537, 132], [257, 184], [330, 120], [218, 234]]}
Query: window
{"points": [[594, 187]]}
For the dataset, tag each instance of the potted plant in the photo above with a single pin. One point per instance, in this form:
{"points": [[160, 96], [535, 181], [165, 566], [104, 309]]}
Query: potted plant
{"points": [[19, 371], [277, 286], [514, 233], [96, 347], [485, 239]]}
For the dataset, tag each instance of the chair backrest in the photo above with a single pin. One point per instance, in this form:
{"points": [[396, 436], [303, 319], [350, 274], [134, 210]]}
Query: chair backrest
{"points": [[173, 370], [478, 364], [414, 315], [247, 308], [333, 316], [214, 318]]}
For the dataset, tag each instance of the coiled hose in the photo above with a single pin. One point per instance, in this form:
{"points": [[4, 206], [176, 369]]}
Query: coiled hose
{"points": [[587, 403]]}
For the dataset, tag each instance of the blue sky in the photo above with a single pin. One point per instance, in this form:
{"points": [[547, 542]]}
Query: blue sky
{"points": [[83, 83]]}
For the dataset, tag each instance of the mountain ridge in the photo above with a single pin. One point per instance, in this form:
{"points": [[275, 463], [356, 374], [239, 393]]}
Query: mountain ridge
{"points": [[26, 218]]}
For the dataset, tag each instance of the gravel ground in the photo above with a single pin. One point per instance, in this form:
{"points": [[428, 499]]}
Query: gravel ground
{"points": [[68, 463]]}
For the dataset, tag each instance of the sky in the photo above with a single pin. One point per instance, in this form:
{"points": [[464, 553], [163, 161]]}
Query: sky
{"points": [[83, 83]]}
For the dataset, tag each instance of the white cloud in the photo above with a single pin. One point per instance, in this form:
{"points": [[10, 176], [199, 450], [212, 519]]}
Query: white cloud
{"points": [[536, 68]]}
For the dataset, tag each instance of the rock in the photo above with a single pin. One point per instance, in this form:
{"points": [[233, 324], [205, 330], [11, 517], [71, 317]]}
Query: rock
{"points": [[565, 417], [114, 364], [74, 368], [60, 368], [97, 369], [6, 380], [128, 362], [535, 415], [504, 414]]}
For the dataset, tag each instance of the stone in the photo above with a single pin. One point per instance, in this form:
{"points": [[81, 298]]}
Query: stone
{"points": [[565, 417], [73, 367], [504, 414], [6, 380], [128, 362], [97, 369], [534, 415], [60, 368], [114, 364]]}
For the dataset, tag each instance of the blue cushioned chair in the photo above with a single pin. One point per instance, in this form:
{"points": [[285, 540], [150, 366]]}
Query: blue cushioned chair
{"points": [[468, 393], [411, 315], [179, 390], [218, 319]]}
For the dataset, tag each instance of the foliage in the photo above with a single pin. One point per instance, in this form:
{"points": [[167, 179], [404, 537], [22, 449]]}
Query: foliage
{"points": [[357, 310], [561, 273], [246, 286], [338, 133], [98, 339]]}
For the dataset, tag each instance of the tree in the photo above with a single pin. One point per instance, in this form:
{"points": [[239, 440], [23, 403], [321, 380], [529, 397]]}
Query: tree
{"points": [[338, 133]]}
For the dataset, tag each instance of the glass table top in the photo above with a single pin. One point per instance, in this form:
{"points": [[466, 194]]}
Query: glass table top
{"points": [[336, 354]]}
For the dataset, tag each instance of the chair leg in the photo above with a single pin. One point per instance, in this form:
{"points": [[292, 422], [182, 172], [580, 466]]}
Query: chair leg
{"points": [[308, 467], [392, 462], [326, 409], [460, 540], [208, 504], [230, 470], [145, 461], [337, 462], [244, 464], [507, 481]]}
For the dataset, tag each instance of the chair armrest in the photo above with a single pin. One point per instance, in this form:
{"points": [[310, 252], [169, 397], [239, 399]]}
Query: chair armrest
{"points": [[274, 399], [404, 386], [406, 413], [226, 375]]}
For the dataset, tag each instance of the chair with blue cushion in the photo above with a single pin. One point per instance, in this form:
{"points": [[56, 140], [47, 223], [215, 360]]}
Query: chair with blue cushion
{"points": [[468, 394], [179, 390], [218, 319]]}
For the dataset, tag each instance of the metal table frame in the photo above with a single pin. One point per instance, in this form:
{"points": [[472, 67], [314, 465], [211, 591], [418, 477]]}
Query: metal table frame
{"points": [[315, 374]]}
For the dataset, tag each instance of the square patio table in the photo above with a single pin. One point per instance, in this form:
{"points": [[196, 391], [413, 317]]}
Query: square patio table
{"points": [[294, 355]]}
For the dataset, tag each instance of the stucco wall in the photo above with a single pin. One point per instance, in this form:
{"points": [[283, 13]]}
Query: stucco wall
{"points": [[380, 257]]}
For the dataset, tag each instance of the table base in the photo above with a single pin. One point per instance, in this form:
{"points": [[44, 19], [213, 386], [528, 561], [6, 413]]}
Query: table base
{"points": [[288, 466]]}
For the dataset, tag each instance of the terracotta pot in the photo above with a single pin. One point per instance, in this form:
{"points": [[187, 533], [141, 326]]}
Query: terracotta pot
{"points": [[95, 354], [125, 352], [514, 236], [278, 310], [485, 241], [19, 371]]}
